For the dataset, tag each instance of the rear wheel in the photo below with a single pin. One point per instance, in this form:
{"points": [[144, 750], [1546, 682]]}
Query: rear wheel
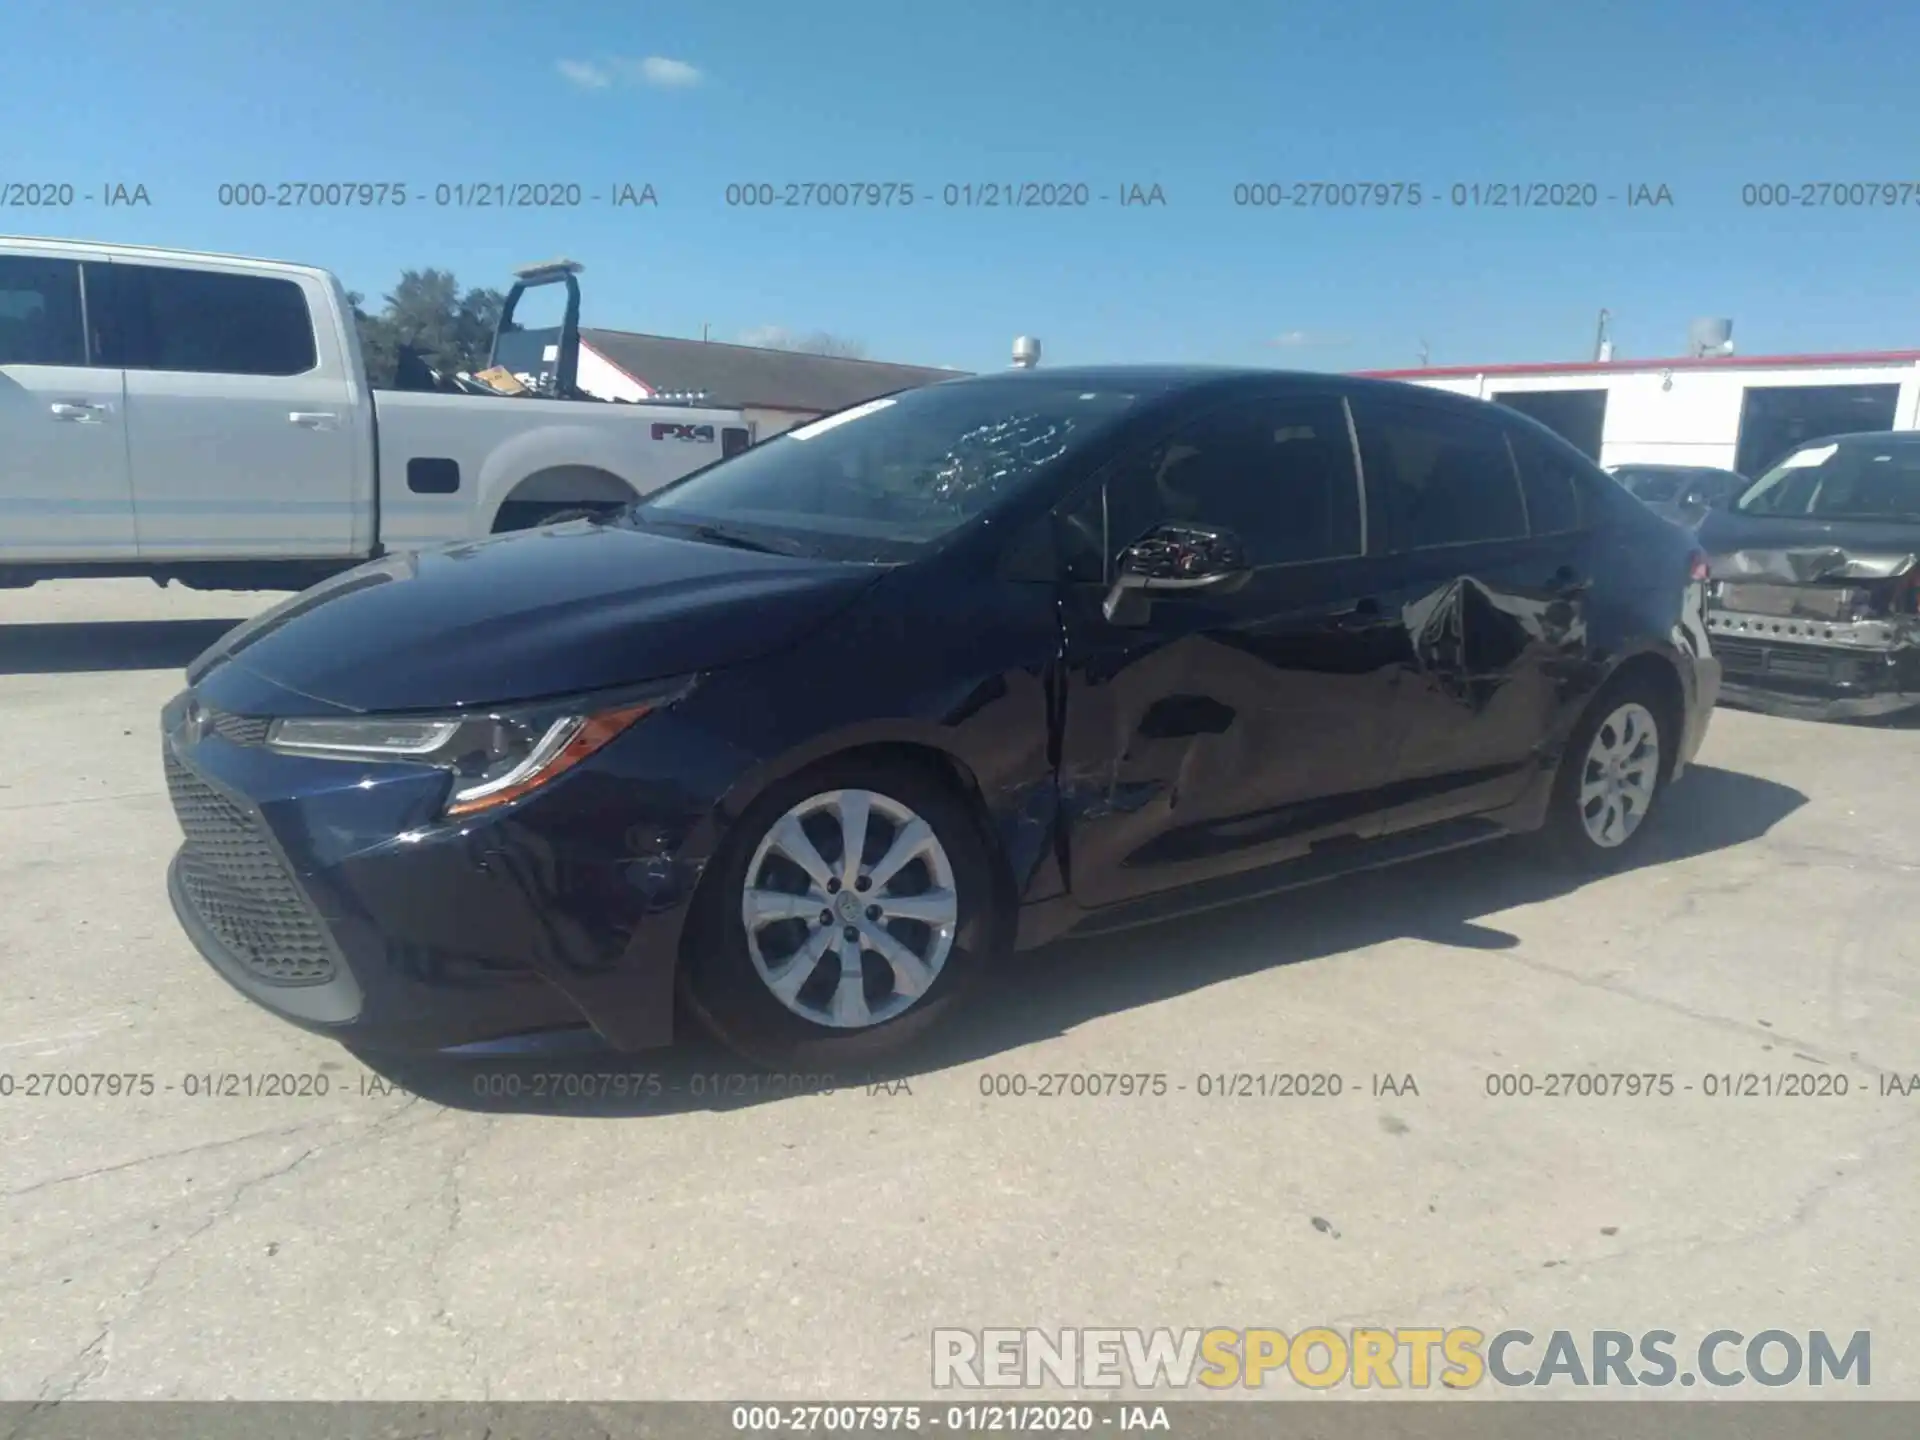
{"points": [[573, 512], [527, 514], [852, 908], [1614, 773]]}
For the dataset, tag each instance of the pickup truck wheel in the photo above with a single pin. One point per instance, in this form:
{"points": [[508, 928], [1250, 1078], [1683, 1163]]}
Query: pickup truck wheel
{"points": [[1611, 778], [851, 910], [526, 514]]}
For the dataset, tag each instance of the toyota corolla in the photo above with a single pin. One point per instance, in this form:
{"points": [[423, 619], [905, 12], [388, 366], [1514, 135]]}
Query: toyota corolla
{"points": [[810, 738]]}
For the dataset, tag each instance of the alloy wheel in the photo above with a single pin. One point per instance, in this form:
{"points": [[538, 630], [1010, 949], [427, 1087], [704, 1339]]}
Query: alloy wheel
{"points": [[1620, 774], [849, 908]]}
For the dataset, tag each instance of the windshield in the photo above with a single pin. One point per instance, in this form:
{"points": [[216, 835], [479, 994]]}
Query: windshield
{"points": [[1841, 480], [885, 479], [1654, 486]]}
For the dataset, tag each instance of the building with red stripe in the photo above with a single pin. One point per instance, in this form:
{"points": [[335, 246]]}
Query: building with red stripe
{"points": [[1732, 412]]}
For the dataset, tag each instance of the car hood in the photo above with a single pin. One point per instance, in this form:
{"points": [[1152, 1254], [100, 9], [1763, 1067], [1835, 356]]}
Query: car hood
{"points": [[528, 615], [1725, 531]]}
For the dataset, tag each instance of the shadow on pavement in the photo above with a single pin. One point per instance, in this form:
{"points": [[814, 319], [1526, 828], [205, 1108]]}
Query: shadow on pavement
{"points": [[1908, 719], [75, 646], [1047, 992]]}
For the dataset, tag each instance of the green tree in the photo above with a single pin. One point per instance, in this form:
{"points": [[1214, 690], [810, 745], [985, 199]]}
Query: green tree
{"points": [[379, 346], [452, 329], [820, 342], [823, 343]]}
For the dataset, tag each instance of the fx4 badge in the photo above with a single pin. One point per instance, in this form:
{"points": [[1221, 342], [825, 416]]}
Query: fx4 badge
{"points": [[701, 433]]}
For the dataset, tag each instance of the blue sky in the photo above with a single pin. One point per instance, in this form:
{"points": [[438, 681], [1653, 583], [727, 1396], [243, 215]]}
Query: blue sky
{"points": [[1701, 96]]}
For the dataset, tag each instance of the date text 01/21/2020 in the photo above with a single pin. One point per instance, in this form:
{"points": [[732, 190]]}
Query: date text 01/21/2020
{"points": [[953, 195], [446, 195], [1812, 1084], [56, 194], [1017, 1418], [1206, 1085], [517, 1084], [1461, 195]]}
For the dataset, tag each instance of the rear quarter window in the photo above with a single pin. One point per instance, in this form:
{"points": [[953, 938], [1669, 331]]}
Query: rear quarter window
{"points": [[1550, 480], [1443, 477]]}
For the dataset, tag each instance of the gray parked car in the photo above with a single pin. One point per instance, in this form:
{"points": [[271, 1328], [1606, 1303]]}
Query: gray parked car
{"points": [[1683, 494]]}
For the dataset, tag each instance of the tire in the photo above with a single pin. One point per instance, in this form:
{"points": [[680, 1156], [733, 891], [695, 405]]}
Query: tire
{"points": [[1612, 778], [529, 514], [728, 976]]}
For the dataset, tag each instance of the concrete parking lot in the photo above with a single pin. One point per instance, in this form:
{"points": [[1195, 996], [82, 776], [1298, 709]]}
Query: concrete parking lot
{"points": [[473, 1231]]}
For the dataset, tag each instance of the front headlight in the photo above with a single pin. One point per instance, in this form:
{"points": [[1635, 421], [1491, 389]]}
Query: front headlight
{"points": [[495, 758]]}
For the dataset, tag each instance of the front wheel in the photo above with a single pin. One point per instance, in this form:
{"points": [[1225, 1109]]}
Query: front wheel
{"points": [[853, 906], [1614, 772]]}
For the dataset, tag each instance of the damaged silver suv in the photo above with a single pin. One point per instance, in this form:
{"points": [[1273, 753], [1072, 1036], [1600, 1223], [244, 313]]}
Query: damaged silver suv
{"points": [[1814, 605]]}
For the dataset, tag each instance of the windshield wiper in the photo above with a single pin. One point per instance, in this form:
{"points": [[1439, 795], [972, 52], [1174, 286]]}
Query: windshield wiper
{"points": [[720, 535]]}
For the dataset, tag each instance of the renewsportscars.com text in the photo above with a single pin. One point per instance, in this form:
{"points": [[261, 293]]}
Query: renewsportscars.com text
{"points": [[1403, 1357]]}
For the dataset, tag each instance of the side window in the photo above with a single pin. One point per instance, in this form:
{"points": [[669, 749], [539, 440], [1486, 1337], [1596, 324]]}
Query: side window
{"points": [[208, 322], [1278, 473], [40, 312], [1444, 479], [1547, 479]]}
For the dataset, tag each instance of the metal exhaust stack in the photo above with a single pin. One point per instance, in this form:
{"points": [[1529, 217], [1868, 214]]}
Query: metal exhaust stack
{"points": [[1710, 337]]}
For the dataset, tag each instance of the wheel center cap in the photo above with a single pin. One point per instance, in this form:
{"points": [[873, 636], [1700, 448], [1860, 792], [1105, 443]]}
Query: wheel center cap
{"points": [[848, 904]]}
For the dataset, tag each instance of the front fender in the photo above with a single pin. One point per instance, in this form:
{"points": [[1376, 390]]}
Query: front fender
{"points": [[1016, 793]]}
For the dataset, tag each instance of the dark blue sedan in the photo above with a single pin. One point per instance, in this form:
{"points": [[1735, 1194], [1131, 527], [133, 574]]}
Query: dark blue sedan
{"points": [[811, 737]]}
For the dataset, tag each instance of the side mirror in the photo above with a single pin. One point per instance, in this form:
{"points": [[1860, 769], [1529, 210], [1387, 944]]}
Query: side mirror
{"points": [[1175, 559]]}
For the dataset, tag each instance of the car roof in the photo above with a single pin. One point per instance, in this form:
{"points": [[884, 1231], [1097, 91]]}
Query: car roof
{"points": [[1865, 437], [1669, 468], [64, 248], [1169, 381]]}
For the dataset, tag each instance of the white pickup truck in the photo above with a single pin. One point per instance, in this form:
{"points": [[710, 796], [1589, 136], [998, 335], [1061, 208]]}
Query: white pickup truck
{"points": [[207, 419]]}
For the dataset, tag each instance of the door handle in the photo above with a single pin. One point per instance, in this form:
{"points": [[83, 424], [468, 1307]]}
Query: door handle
{"points": [[79, 412], [312, 419]]}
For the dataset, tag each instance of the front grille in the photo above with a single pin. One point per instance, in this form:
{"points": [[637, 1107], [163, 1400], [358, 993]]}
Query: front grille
{"points": [[1801, 667], [240, 729], [1741, 657], [1748, 657], [236, 882]]}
